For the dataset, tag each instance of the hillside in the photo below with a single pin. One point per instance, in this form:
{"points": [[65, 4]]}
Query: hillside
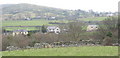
{"points": [[18, 8], [21, 11]]}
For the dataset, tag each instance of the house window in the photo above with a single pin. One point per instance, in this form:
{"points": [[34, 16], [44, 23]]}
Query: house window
{"points": [[57, 29]]}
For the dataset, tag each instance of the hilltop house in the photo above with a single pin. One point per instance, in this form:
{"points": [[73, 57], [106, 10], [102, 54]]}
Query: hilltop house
{"points": [[92, 27], [20, 31], [53, 29]]}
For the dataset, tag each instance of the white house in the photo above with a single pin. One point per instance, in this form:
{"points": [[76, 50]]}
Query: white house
{"points": [[109, 15], [20, 31], [92, 27], [27, 19], [53, 17], [53, 29]]}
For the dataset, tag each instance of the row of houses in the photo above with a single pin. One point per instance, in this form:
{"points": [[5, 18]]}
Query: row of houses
{"points": [[53, 29]]}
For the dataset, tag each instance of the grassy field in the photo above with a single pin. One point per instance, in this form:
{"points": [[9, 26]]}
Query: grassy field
{"points": [[28, 23], [93, 19], [39, 22], [25, 23], [67, 51], [0, 54]]}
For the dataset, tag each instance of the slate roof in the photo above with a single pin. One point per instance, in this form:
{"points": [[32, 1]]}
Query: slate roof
{"points": [[51, 27], [20, 30]]}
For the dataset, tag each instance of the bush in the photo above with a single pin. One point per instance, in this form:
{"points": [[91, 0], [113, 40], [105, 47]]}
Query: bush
{"points": [[107, 28], [20, 41], [6, 41], [43, 29]]}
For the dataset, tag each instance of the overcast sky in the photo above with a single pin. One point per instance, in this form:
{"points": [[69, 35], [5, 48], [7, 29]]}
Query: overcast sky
{"points": [[96, 5]]}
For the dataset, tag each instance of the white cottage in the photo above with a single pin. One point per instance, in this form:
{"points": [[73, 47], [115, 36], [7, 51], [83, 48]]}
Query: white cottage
{"points": [[20, 31], [92, 27], [53, 29]]}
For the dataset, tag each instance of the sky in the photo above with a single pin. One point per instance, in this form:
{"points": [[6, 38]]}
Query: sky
{"points": [[95, 5]]}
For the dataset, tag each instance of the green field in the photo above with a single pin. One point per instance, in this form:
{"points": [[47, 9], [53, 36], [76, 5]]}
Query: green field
{"points": [[93, 19], [67, 51], [27, 23], [42, 21], [0, 54], [39, 22]]}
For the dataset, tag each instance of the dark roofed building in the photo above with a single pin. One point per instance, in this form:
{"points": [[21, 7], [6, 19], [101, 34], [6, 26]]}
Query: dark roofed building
{"points": [[53, 29], [20, 31]]}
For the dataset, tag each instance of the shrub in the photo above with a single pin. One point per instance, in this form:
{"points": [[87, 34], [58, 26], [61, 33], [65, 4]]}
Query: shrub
{"points": [[108, 28], [43, 29]]}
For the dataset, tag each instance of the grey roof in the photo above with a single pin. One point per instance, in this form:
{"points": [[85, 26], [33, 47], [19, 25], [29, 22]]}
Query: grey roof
{"points": [[51, 27], [20, 30]]}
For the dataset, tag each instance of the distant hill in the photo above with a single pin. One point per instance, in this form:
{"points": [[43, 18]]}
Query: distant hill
{"points": [[20, 11], [6, 5], [17, 8]]}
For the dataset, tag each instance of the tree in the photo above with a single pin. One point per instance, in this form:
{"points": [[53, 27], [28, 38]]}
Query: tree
{"points": [[108, 28], [43, 29], [76, 30]]}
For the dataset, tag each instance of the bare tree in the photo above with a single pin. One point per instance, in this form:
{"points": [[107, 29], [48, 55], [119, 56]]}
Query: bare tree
{"points": [[108, 28], [75, 30]]}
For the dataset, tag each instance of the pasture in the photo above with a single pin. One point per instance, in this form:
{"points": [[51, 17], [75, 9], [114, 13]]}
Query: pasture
{"points": [[0, 54], [25, 23], [28, 23], [93, 19], [39, 22], [43, 21], [67, 51]]}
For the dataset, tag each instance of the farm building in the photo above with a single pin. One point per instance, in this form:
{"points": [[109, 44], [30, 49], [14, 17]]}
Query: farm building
{"points": [[53, 29], [20, 31], [92, 27]]}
